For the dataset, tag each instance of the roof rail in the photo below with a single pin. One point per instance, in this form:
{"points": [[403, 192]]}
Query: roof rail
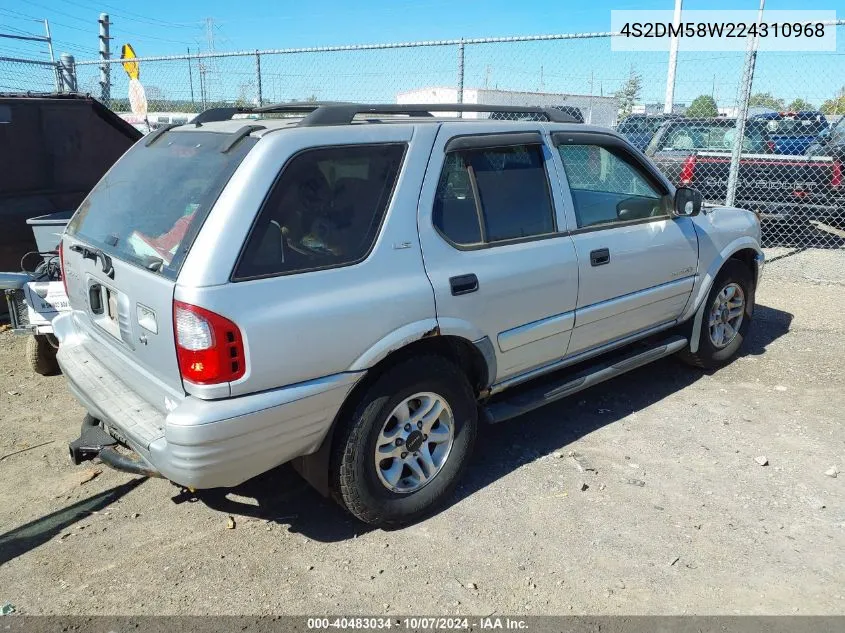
{"points": [[220, 114], [343, 114], [317, 113]]}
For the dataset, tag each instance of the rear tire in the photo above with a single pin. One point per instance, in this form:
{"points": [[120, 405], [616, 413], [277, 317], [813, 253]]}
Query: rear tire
{"points": [[41, 355], [718, 344], [397, 490]]}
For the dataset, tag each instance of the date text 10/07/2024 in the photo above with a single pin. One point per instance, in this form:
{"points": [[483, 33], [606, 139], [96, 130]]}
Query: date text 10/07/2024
{"points": [[418, 623]]}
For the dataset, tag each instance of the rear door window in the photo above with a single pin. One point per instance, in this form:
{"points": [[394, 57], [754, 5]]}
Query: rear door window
{"points": [[149, 207], [324, 211], [513, 199]]}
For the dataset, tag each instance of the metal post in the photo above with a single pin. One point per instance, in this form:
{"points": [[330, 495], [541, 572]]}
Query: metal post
{"points": [[68, 72], [258, 75], [202, 83], [50, 49], [105, 54], [190, 76], [742, 112], [461, 75], [673, 62]]}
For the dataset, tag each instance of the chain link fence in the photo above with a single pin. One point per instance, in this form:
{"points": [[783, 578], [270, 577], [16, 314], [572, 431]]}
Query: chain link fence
{"points": [[765, 136], [25, 75]]}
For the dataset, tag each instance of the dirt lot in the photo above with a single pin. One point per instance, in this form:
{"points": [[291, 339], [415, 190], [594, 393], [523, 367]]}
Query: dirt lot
{"points": [[678, 516]]}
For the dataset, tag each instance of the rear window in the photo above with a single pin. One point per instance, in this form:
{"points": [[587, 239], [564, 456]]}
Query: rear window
{"points": [[718, 136], [324, 211], [633, 125], [148, 208]]}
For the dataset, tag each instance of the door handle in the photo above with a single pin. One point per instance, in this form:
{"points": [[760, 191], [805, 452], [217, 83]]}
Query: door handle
{"points": [[600, 257], [463, 284]]}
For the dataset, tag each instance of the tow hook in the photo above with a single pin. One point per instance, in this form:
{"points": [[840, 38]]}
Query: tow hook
{"points": [[91, 441], [94, 441]]}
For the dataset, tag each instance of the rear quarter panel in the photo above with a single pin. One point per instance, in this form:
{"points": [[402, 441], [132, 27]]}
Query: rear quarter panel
{"points": [[309, 325]]}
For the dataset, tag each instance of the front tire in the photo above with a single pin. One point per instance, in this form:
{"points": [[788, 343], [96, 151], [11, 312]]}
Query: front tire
{"points": [[727, 317], [402, 451]]}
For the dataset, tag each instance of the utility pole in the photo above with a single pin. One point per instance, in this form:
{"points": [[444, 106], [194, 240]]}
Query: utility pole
{"points": [[673, 62], [207, 68], [105, 55]]}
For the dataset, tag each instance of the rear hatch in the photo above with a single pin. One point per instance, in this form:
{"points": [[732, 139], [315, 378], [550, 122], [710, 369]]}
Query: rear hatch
{"points": [[125, 245]]}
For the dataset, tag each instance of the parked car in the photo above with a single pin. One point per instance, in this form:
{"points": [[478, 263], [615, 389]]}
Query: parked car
{"points": [[830, 142], [354, 289], [792, 132], [640, 128], [697, 152]]}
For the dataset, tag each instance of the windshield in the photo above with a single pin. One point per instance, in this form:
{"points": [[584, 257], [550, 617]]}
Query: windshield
{"points": [[797, 126], [640, 125], [716, 136], [148, 208]]}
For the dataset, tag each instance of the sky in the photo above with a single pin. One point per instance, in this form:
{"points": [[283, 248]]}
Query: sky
{"points": [[164, 27]]}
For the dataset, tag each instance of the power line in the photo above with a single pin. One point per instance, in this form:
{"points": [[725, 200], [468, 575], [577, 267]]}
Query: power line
{"points": [[23, 15], [125, 13]]}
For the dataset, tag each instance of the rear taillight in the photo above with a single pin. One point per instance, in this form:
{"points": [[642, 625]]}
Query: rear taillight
{"points": [[209, 347], [62, 263], [688, 170], [836, 175]]}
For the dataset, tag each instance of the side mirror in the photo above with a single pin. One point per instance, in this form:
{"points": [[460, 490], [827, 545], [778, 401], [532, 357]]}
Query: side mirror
{"points": [[687, 202], [823, 137]]}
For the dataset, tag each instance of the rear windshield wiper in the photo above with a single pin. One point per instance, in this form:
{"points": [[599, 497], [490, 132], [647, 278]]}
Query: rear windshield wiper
{"points": [[153, 263], [95, 254]]}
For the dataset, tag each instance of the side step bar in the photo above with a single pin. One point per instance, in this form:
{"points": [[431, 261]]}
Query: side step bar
{"points": [[528, 397]]}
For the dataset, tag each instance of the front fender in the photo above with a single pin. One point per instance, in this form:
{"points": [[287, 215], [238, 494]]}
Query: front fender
{"points": [[706, 279], [708, 276]]}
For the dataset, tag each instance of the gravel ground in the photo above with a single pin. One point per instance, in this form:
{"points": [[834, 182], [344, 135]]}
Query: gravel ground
{"points": [[677, 516]]}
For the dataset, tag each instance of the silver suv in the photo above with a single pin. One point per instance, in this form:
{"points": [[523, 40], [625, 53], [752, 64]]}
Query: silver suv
{"points": [[356, 287]]}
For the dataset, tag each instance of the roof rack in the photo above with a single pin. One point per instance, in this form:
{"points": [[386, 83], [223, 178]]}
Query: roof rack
{"points": [[338, 113]]}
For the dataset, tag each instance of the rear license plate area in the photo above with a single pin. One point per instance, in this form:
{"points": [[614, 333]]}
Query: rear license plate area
{"points": [[104, 304]]}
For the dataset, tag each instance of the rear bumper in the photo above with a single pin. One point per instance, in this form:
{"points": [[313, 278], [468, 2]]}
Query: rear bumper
{"points": [[205, 443]]}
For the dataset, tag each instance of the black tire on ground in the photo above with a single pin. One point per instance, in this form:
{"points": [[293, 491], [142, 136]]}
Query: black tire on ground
{"points": [[41, 355], [708, 355], [355, 481]]}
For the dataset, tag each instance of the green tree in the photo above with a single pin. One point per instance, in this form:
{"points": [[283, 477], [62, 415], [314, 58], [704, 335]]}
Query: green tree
{"points": [[797, 105], [835, 105], [766, 99], [703, 106], [629, 93]]}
